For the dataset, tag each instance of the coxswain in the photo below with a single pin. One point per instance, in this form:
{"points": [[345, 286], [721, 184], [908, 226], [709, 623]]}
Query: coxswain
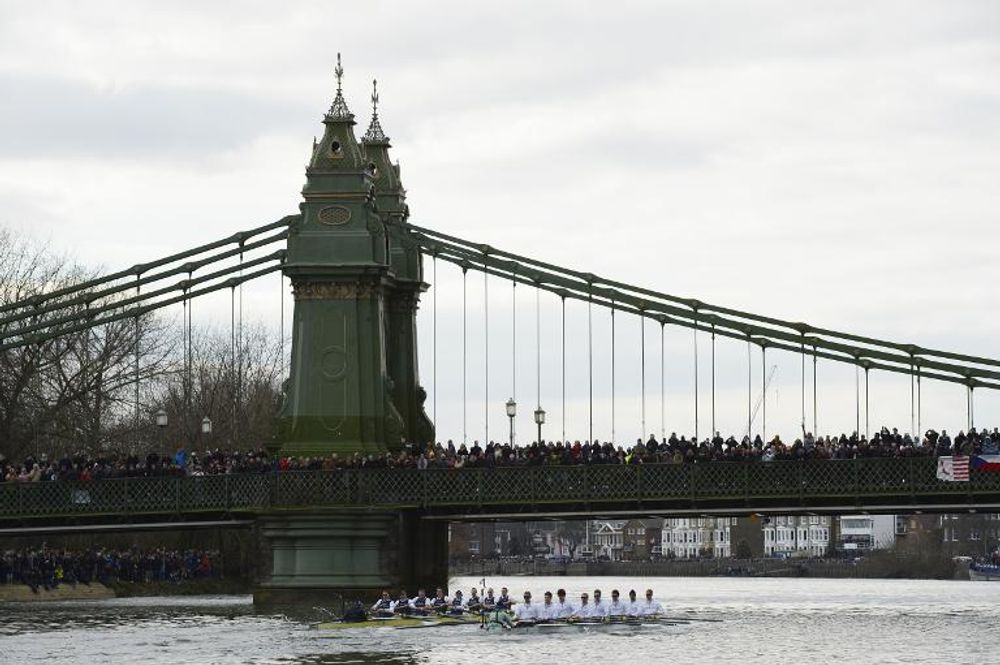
{"points": [[382, 607], [402, 605], [585, 610], [439, 604], [600, 609], [547, 610], [421, 604], [488, 601], [503, 601], [650, 607], [526, 612], [616, 608], [632, 607], [474, 604], [457, 604], [355, 613], [564, 610]]}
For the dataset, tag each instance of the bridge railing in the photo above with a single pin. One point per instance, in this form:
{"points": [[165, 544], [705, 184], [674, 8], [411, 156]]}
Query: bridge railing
{"points": [[698, 484]]}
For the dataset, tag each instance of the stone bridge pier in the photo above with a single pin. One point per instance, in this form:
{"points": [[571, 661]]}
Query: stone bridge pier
{"points": [[332, 557]]}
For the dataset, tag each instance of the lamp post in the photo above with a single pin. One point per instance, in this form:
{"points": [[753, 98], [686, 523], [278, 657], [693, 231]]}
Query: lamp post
{"points": [[161, 424], [206, 426], [539, 420], [511, 412]]}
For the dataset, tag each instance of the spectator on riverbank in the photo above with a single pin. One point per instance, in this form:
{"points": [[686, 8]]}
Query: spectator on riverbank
{"points": [[47, 568]]}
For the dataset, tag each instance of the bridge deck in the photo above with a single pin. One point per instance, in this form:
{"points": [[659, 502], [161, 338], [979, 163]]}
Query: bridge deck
{"points": [[727, 488]]}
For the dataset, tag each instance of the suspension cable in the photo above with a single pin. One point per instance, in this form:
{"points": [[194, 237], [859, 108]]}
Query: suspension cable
{"points": [[803, 357], [538, 353], [763, 383], [239, 339], [663, 401], [857, 400], [564, 369], [695, 333], [613, 438], [232, 367], [920, 429], [281, 324], [590, 363], [465, 412], [913, 405], [749, 391], [434, 342], [868, 431], [138, 337], [815, 425], [486, 344], [513, 351], [642, 373], [712, 433]]}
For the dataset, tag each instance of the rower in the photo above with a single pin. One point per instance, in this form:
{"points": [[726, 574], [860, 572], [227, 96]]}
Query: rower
{"points": [[600, 609], [489, 602], [420, 604], [457, 604], [616, 608], [382, 606], [402, 605], [526, 612], [564, 610], [632, 607], [474, 604], [585, 610], [547, 611], [439, 604], [651, 607], [504, 602]]}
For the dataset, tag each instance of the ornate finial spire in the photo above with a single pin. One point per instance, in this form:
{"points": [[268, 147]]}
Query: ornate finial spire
{"points": [[375, 133], [338, 109]]}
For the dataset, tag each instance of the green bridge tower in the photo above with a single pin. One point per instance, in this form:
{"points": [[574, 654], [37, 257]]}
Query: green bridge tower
{"points": [[354, 382]]}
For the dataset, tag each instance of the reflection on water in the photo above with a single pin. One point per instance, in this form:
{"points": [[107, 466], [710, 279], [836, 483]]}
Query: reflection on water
{"points": [[764, 621]]}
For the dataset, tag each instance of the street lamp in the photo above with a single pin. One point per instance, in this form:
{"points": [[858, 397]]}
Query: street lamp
{"points": [[511, 412], [539, 420], [206, 425], [161, 424]]}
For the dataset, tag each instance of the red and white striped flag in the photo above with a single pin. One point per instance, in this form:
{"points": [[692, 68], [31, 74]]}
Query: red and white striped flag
{"points": [[953, 469]]}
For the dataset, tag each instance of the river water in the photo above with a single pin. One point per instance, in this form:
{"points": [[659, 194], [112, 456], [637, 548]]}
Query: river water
{"points": [[764, 620]]}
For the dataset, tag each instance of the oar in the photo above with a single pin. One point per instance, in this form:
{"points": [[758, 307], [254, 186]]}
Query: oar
{"points": [[691, 619]]}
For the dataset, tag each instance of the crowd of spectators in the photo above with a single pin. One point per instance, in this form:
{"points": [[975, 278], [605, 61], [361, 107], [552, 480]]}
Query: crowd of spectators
{"points": [[47, 568], [672, 450]]}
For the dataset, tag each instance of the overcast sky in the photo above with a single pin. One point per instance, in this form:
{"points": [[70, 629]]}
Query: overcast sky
{"points": [[835, 163]]}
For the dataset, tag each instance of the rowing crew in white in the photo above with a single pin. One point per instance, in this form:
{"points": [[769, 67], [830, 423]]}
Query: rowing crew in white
{"points": [[561, 609], [548, 610]]}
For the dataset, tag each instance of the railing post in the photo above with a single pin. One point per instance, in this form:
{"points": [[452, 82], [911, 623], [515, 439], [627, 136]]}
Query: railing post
{"points": [[801, 483], [746, 482], [857, 488], [909, 477], [20, 499], [128, 499], [229, 498], [177, 496], [533, 478]]}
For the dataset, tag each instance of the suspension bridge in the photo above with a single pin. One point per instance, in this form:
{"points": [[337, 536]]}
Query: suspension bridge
{"points": [[356, 264]]}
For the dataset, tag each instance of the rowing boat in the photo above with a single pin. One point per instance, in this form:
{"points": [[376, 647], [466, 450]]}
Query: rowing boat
{"points": [[401, 622]]}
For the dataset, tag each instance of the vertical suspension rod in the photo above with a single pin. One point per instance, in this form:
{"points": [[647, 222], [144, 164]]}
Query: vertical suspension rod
{"points": [[486, 344], [613, 438], [465, 411], [564, 369], [642, 373]]}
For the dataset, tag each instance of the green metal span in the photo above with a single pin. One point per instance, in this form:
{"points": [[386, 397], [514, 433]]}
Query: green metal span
{"points": [[183, 286], [91, 296], [135, 312], [697, 305], [581, 286], [138, 270], [808, 485]]}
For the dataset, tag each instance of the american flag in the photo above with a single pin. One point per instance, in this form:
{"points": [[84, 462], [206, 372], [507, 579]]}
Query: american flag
{"points": [[953, 469]]}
